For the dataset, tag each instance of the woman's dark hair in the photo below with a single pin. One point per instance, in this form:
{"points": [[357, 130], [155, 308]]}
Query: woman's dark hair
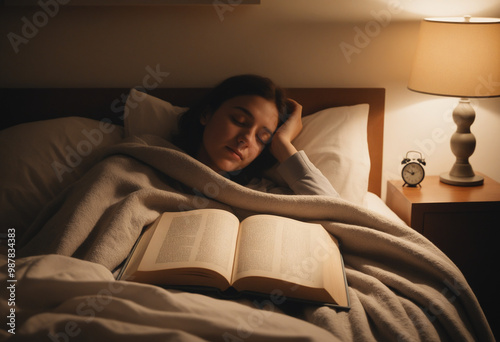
{"points": [[190, 133]]}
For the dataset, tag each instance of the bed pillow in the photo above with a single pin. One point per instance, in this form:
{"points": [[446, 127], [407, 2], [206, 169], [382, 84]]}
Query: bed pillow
{"points": [[334, 139], [336, 142], [146, 114], [41, 158]]}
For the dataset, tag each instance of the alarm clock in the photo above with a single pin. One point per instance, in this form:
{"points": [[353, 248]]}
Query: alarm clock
{"points": [[413, 172]]}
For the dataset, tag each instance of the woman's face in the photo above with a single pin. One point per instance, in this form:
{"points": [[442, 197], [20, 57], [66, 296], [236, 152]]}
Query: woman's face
{"points": [[237, 132]]}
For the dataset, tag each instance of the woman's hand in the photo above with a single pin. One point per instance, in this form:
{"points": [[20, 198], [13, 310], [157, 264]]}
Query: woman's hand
{"points": [[281, 145]]}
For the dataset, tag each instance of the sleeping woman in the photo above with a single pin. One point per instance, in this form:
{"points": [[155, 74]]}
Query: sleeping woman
{"points": [[238, 130], [242, 127]]}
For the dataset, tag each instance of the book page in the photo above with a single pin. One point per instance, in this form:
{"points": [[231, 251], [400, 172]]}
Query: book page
{"points": [[203, 238], [282, 248]]}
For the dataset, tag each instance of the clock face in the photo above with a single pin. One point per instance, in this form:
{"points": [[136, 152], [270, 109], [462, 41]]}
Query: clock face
{"points": [[413, 173]]}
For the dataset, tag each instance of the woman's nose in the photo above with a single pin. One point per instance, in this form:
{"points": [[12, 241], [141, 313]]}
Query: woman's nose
{"points": [[244, 138], [242, 141]]}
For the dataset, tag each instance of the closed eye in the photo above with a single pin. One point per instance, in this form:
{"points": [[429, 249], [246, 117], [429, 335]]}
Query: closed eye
{"points": [[239, 120], [246, 119], [264, 136]]}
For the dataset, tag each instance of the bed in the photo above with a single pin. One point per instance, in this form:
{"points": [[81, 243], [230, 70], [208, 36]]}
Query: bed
{"points": [[86, 169]]}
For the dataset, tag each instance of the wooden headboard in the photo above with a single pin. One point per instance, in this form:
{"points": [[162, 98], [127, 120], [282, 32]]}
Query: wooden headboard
{"points": [[31, 104]]}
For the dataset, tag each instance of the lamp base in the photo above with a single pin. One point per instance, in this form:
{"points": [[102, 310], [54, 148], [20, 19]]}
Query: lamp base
{"points": [[462, 145], [461, 181]]}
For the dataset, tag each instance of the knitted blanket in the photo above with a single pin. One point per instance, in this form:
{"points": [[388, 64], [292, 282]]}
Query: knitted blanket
{"points": [[402, 288]]}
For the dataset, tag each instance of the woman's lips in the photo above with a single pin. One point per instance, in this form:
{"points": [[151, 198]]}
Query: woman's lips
{"points": [[235, 152]]}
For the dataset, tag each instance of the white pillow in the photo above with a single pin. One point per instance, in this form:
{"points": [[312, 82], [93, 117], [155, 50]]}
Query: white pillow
{"points": [[39, 159], [334, 139], [336, 142], [146, 114]]}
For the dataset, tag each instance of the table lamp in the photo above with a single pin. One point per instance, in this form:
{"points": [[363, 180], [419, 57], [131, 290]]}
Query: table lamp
{"points": [[459, 57]]}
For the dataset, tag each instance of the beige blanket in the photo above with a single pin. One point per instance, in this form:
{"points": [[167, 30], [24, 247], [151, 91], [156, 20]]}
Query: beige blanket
{"points": [[402, 288]]}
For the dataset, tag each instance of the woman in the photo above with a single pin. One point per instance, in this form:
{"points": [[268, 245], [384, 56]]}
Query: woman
{"points": [[242, 127]]}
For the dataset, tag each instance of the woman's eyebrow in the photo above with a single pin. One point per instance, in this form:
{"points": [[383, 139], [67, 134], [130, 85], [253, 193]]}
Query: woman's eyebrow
{"points": [[244, 110]]}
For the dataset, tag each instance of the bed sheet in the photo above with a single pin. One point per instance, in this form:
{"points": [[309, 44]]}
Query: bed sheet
{"points": [[372, 202]]}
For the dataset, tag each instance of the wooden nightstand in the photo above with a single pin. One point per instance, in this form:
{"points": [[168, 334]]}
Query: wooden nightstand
{"points": [[464, 222]]}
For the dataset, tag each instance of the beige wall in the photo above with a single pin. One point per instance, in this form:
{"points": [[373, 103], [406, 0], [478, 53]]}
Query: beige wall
{"points": [[298, 43]]}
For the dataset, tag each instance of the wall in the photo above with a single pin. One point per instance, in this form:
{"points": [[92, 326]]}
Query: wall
{"points": [[300, 43]]}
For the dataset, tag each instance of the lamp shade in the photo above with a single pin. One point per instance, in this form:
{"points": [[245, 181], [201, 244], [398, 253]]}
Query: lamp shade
{"points": [[457, 57]]}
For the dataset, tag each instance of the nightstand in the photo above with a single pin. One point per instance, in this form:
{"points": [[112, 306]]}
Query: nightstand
{"points": [[464, 222]]}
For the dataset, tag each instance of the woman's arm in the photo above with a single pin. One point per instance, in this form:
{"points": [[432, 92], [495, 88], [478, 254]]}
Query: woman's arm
{"points": [[303, 178], [295, 168]]}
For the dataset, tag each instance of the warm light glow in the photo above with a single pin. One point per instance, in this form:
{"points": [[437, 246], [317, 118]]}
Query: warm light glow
{"points": [[426, 8], [458, 57], [464, 19]]}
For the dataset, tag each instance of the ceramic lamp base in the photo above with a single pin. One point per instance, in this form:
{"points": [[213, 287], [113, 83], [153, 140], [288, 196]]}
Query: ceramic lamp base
{"points": [[462, 145], [461, 181]]}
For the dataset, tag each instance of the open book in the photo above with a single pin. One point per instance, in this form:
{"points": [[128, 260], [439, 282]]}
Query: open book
{"points": [[263, 254]]}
